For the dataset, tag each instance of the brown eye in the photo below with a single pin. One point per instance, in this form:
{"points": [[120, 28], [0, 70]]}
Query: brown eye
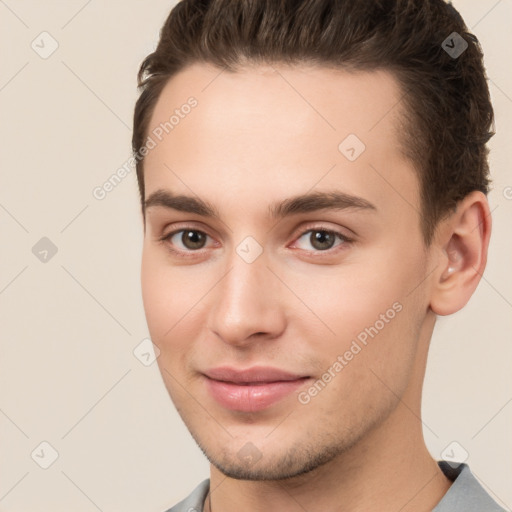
{"points": [[187, 239], [193, 239], [322, 240]]}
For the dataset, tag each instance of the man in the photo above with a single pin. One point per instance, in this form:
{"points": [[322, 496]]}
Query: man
{"points": [[313, 177]]}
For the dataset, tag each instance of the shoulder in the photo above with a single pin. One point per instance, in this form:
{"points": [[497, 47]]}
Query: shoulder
{"points": [[194, 501], [466, 494]]}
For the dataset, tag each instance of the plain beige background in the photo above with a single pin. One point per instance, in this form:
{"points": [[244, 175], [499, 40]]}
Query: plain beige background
{"points": [[70, 324]]}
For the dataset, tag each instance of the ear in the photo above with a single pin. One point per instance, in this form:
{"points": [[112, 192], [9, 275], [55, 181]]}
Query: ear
{"points": [[461, 245]]}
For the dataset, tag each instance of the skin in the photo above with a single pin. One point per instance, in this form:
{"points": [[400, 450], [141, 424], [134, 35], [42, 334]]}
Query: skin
{"points": [[259, 136]]}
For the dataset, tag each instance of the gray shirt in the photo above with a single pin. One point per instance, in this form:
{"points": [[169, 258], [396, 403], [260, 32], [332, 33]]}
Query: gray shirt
{"points": [[465, 494]]}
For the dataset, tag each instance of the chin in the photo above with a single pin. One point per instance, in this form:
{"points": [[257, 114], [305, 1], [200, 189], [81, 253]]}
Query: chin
{"points": [[271, 463]]}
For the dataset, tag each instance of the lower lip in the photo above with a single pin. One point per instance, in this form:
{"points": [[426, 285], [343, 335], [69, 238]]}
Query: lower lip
{"points": [[251, 398]]}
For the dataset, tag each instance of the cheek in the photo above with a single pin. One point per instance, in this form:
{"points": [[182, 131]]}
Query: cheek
{"points": [[365, 313], [343, 303], [163, 306], [163, 310], [154, 295], [173, 302], [365, 371]]}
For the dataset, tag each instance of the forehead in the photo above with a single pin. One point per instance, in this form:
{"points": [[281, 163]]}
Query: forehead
{"points": [[332, 101], [281, 127]]}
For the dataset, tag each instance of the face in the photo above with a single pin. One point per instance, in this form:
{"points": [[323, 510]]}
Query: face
{"points": [[283, 264]]}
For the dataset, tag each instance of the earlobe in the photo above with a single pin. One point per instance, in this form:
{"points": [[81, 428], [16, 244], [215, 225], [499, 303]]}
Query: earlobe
{"points": [[462, 245]]}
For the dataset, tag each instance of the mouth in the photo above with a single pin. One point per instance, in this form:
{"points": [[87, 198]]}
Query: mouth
{"points": [[253, 389]]}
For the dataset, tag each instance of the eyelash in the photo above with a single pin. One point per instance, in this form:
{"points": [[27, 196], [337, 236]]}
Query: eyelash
{"points": [[193, 253]]}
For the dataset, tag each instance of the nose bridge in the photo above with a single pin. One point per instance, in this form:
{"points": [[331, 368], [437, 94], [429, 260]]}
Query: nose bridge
{"points": [[247, 300]]}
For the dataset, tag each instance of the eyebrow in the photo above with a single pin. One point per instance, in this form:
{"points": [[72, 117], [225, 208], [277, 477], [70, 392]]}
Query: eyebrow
{"points": [[304, 203]]}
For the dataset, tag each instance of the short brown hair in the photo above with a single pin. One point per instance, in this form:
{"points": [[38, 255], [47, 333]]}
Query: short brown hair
{"points": [[448, 114]]}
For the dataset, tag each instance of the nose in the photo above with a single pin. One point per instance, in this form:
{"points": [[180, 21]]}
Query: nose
{"points": [[248, 303]]}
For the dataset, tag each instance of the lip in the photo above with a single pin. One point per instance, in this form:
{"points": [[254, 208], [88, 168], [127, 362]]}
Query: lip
{"points": [[252, 389]]}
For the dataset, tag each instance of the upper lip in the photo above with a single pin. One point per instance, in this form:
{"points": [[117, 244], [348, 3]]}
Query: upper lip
{"points": [[250, 375]]}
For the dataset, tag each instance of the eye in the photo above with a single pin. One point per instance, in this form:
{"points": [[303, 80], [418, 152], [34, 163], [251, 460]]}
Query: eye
{"points": [[322, 239], [187, 241], [190, 239]]}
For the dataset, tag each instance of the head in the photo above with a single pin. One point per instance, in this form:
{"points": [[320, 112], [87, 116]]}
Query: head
{"points": [[318, 198]]}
